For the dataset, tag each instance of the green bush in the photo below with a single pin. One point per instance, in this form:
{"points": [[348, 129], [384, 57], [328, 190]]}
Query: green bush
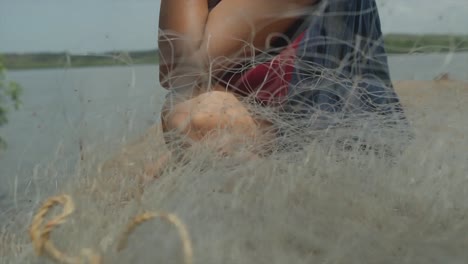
{"points": [[9, 98]]}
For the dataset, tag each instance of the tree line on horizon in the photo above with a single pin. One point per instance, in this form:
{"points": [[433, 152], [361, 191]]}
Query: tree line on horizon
{"points": [[394, 43]]}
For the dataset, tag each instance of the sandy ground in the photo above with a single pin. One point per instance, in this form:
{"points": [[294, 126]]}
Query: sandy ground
{"points": [[446, 100]]}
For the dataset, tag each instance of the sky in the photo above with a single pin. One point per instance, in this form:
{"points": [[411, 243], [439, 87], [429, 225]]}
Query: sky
{"points": [[81, 26]]}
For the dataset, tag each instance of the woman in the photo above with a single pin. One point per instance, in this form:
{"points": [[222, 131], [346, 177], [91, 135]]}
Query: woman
{"points": [[307, 58]]}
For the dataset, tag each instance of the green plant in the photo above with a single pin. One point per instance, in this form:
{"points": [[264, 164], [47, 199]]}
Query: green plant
{"points": [[9, 98]]}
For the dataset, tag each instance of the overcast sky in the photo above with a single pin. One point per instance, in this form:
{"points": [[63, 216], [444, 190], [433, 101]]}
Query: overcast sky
{"points": [[103, 25]]}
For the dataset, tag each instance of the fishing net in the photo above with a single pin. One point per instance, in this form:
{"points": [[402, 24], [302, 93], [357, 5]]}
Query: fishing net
{"points": [[354, 174]]}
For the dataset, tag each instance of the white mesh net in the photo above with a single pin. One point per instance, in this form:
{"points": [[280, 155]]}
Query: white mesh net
{"points": [[362, 168]]}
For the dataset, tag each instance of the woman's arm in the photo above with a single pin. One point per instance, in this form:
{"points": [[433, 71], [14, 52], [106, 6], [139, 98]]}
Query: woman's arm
{"points": [[181, 27], [235, 24], [230, 27]]}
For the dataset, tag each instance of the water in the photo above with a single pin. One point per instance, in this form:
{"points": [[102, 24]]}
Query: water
{"points": [[96, 109], [99, 109]]}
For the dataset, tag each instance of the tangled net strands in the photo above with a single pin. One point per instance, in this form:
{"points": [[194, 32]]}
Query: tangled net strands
{"points": [[170, 218], [40, 235], [340, 207]]}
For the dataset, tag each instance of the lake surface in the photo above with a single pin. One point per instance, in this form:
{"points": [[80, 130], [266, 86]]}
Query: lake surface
{"points": [[64, 109], [99, 109]]}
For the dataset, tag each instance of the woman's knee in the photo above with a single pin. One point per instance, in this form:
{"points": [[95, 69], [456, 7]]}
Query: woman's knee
{"points": [[207, 112], [220, 110]]}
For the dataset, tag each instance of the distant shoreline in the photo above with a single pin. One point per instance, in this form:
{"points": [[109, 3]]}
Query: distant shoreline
{"points": [[68, 60], [394, 43]]}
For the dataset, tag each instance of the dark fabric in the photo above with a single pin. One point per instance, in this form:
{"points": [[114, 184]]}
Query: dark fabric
{"points": [[342, 64], [341, 81]]}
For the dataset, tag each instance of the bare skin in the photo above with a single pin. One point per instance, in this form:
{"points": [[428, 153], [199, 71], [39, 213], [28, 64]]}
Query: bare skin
{"points": [[234, 29], [216, 116]]}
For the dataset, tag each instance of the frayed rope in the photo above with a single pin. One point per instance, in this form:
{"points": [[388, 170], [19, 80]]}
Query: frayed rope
{"points": [[40, 234]]}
